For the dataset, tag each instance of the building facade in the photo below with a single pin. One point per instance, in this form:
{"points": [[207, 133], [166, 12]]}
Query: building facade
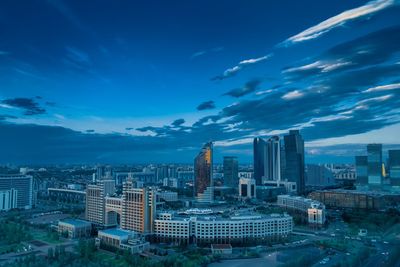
{"points": [[8, 199], [247, 188], [294, 163], [74, 229], [206, 230], [22, 188], [258, 159], [374, 164], [203, 169], [313, 210], [231, 169], [272, 165], [394, 167]]}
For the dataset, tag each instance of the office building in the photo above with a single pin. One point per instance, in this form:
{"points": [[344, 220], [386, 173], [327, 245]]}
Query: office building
{"points": [[74, 229], [8, 199], [247, 188], [21, 187], [203, 169], [362, 170], [272, 164], [95, 200], [258, 159], [138, 208], [374, 164], [318, 175], [394, 167], [66, 195], [294, 154], [355, 199], [313, 210], [240, 228], [231, 178], [121, 239]]}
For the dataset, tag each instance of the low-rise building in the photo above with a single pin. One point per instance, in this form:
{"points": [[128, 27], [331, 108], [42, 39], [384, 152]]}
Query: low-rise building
{"points": [[354, 199], [313, 210], [239, 228], [71, 228], [121, 239]]}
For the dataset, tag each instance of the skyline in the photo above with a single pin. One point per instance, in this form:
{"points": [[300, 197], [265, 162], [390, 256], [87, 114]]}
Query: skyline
{"points": [[153, 83]]}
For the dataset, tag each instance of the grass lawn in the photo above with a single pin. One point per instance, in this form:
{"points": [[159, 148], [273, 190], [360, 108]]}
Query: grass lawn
{"points": [[43, 236], [9, 248]]}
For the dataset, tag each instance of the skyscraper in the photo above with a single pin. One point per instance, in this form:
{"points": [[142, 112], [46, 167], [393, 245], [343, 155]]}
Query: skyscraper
{"points": [[231, 177], [272, 166], [362, 170], [294, 154], [138, 208], [374, 164], [394, 167], [258, 159], [203, 171]]}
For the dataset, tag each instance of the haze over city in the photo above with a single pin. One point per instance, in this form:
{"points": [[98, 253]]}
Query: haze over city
{"points": [[135, 82]]}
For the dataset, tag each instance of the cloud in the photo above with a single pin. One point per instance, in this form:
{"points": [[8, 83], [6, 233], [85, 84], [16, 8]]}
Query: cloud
{"points": [[292, 95], [381, 88], [371, 49], [4, 53], [4, 117], [90, 131], [248, 88], [325, 26], [29, 105], [204, 52], [242, 64], [129, 128], [178, 122], [206, 105]]}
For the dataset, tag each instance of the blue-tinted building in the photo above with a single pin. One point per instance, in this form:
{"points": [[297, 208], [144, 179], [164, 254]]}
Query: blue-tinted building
{"points": [[259, 147], [294, 159], [394, 167], [374, 164], [231, 169]]}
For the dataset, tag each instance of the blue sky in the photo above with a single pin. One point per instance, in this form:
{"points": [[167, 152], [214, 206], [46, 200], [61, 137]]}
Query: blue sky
{"points": [[130, 81]]}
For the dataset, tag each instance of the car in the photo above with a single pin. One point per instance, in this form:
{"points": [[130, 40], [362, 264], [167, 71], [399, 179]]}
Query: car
{"points": [[385, 242]]}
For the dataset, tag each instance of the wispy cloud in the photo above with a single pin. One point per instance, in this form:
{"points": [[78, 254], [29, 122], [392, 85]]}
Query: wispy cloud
{"points": [[204, 52], [339, 20], [242, 64], [292, 95], [323, 66], [29, 106], [380, 88]]}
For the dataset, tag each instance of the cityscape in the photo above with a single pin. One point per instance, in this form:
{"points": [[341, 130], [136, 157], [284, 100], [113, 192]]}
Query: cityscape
{"points": [[123, 143]]}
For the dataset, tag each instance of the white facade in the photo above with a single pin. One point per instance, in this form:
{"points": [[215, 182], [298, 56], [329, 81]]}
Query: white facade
{"points": [[214, 229], [247, 188], [315, 210], [8, 199]]}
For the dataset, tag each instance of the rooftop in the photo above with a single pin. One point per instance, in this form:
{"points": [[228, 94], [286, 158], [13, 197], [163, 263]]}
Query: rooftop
{"points": [[76, 222], [116, 232]]}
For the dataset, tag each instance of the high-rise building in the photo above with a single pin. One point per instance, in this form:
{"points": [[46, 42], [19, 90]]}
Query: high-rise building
{"points": [[294, 154], [95, 200], [374, 164], [272, 165], [258, 159], [394, 167], [362, 170], [138, 208], [203, 169], [22, 186], [231, 170]]}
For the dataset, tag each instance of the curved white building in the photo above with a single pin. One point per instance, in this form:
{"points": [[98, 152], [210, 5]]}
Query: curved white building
{"points": [[240, 229]]}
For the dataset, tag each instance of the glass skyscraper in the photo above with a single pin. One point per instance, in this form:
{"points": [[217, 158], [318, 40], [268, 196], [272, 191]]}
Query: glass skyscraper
{"points": [[231, 176], [362, 170], [272, 167], [394, 167], [258, 159], [203, 171], [294, 154], [374, 164]]}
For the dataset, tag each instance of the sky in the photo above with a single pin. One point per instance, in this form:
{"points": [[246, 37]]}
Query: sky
{"points": [[151, 81]]}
